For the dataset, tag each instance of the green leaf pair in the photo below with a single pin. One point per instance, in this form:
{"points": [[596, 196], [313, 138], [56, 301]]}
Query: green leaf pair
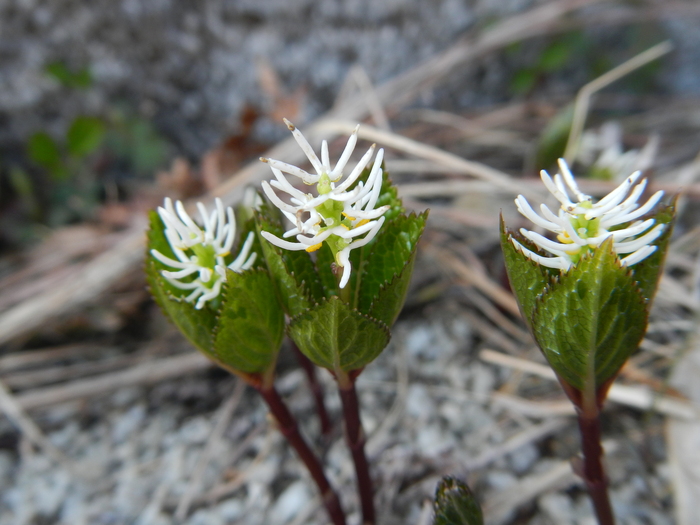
{"points": [[243, 334], [588, 320], [344, 330]]}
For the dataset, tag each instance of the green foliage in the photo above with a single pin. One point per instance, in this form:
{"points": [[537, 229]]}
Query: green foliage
{"points": [[59, 71], [343, 330], [384, 281], [293, 273], [334, 336], [135, 140], [527, 278], [591, 319], [455, 504], [250, 325], [244, 333], [196, 325], [84, 136], [648, 272], [44, 151]]}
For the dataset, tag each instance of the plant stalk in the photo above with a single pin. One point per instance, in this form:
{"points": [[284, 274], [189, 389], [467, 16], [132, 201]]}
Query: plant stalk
{"points": [[355, 438], [592, 470], [316, 390], [288, 427]]}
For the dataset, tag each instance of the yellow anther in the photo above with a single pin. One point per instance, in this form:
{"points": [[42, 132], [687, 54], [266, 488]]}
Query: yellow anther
{"points": [[362, 223], [314, 247], [348, 216]]}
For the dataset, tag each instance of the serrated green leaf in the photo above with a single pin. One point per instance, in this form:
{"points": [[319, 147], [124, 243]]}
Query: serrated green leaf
{"points": [[389, 266], [591, 319], [196, 325], [648, 272], [455, 504], [84, 136], [250, 324], [338, 338], [527, 278], [324, 268], [43, 150], [293, 273]]}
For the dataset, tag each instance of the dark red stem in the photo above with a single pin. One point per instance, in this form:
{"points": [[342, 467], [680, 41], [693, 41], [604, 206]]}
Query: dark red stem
{"points": [[316, 390], [355, 438], [288, 427], [592, 470]]}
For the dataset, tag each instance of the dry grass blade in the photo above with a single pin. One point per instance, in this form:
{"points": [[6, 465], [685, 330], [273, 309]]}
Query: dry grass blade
{"points": [[143, 374], [640, 397]]}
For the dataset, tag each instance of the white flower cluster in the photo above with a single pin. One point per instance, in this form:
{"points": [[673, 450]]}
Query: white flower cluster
{"points": [[339, 214], [201, 251], [602, 151], [581, 225]]}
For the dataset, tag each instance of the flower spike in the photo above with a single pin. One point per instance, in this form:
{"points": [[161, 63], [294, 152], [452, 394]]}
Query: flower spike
{"points": [[338, 215], [201, 251], [582, 225]]}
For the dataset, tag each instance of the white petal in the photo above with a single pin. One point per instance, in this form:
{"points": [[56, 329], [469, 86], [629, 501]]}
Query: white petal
{"points": [[526, 210], [357, 171], [349, 148], [305, 147], [639, 211], [308, 178], [560, 263], [638, 256], [570, 181], [285, 245], [647, 238]]}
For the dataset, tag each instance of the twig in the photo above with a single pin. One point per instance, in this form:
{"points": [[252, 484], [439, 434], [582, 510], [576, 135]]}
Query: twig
{"points": [[222, 417], [640, 397], [29, 429], [143, 374], [583, 98]]}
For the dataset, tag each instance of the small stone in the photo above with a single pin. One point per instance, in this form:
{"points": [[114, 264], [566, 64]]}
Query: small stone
{"points": [[290, 502], [523, 458], [557, 507]]}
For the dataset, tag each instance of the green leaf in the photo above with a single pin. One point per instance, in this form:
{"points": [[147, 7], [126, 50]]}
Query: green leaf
{"points": [[60, 72], [527, 278], [84, 136], [324, 261], [648, 272], [555, 56], [293, 273], [387, 272], [523, 81], [455, 504], [250, 323], [44, 151], [591, 319], [338, 338], [196, 325]]}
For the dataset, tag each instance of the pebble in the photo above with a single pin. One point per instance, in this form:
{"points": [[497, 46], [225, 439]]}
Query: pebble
{"points": [[290, 502]]}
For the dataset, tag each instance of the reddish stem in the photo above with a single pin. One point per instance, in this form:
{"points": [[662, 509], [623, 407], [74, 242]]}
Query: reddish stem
{"points": [[316, 390], [355, 438], [593, 472], [288, 427]]}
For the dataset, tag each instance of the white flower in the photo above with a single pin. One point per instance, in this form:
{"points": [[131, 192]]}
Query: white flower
{"points": [[201, 252], [337, 215], [581, 225], [602, 151]]}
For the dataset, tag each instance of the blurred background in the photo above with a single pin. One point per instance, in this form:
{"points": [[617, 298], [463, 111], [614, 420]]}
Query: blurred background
{"points": [[108, 106]]}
